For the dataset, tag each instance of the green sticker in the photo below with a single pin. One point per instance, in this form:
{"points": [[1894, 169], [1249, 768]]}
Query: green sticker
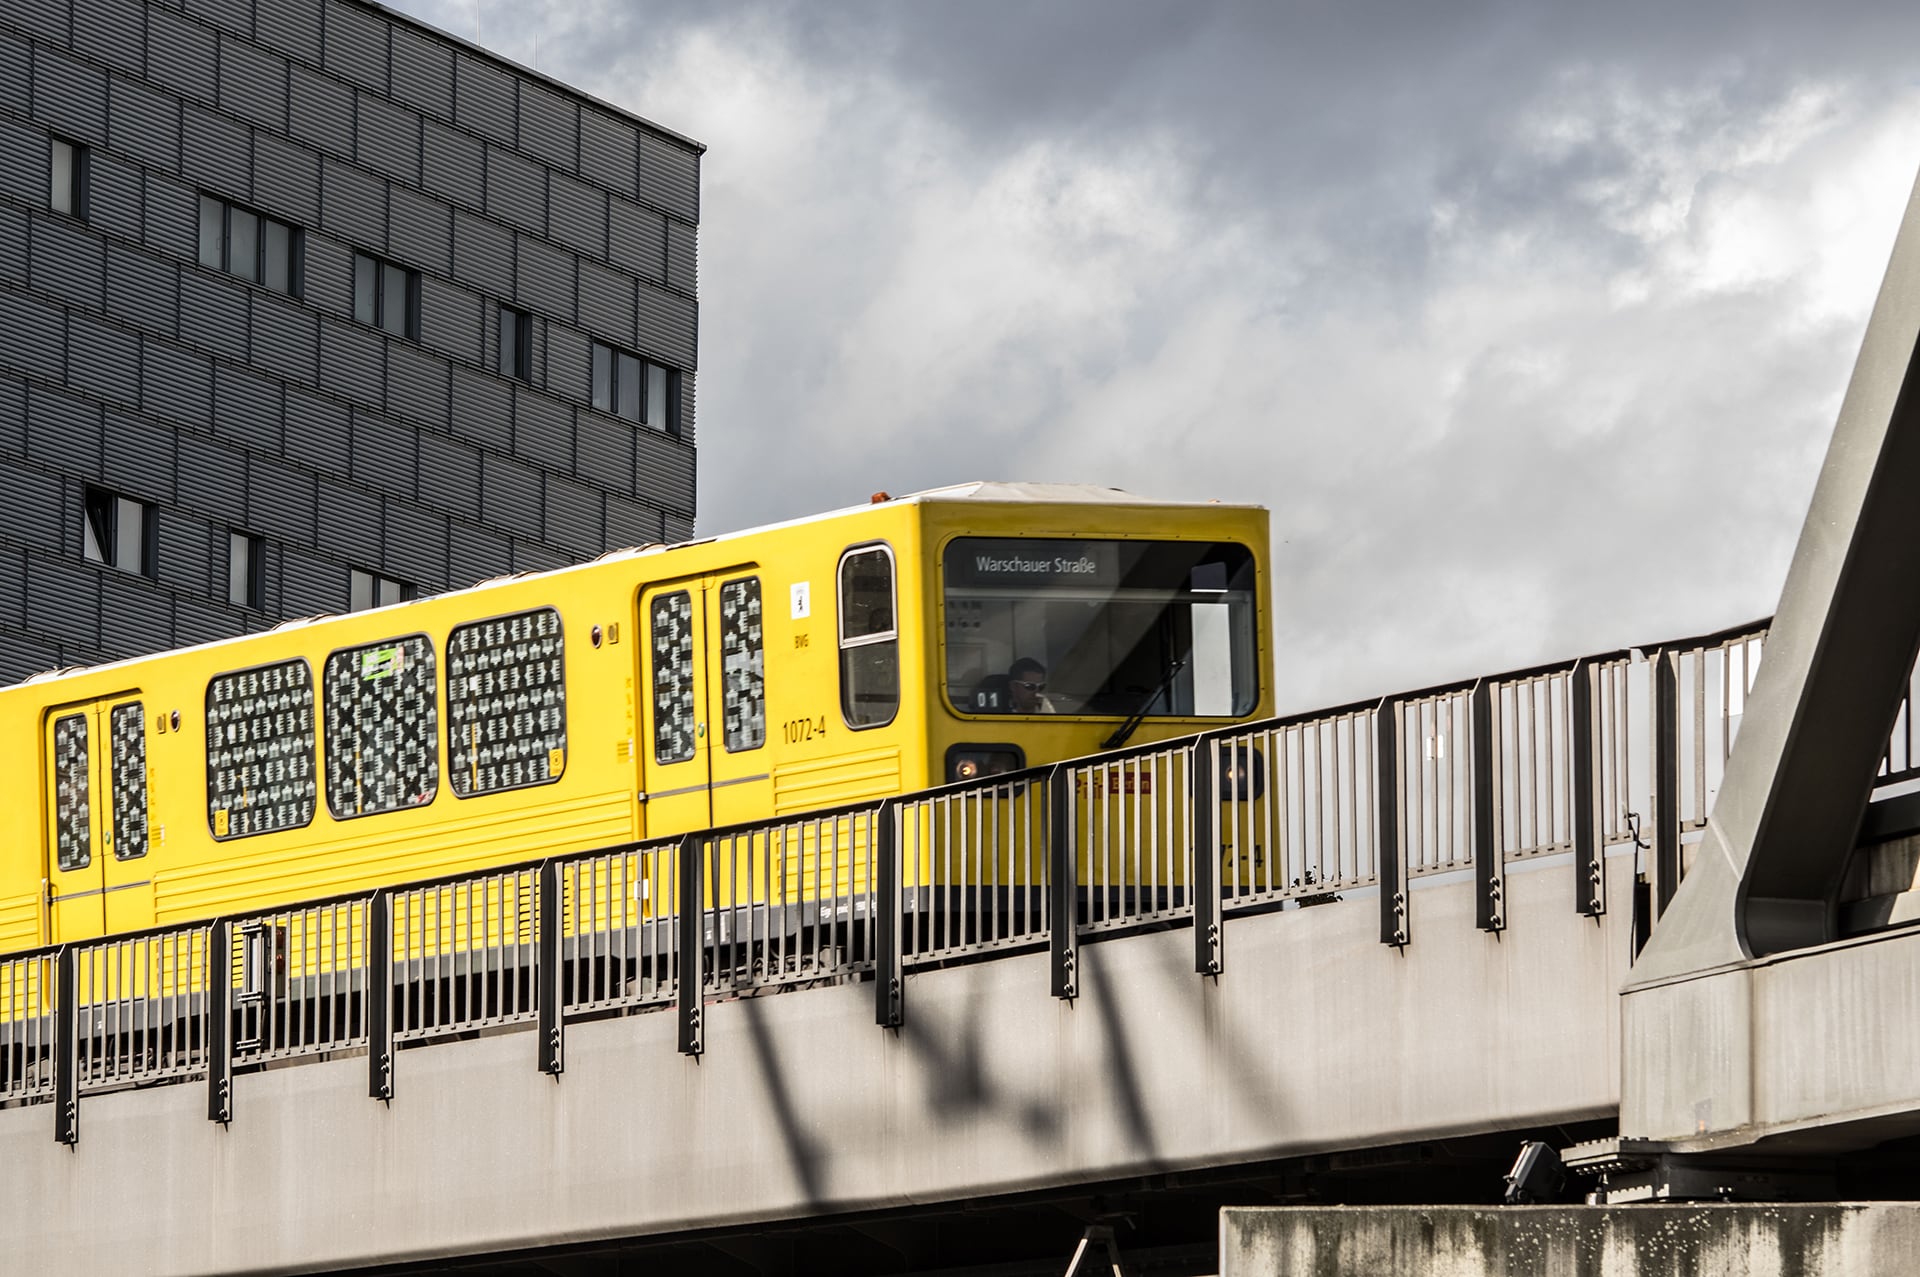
{"points": [[382, 662]]}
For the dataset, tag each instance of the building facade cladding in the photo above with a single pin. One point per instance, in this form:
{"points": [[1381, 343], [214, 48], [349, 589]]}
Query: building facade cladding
{"points": [[129, 368]]}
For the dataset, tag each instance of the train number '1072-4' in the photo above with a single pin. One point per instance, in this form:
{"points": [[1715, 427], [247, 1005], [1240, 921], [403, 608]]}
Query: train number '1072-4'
{"points": [[801, 730]]}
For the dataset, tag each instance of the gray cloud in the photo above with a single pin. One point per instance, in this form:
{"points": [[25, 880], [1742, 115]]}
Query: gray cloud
{"points": [[1529, 325]]}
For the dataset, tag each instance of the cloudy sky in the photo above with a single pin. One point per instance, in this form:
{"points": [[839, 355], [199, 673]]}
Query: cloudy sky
{"points": [[1527, 322]]}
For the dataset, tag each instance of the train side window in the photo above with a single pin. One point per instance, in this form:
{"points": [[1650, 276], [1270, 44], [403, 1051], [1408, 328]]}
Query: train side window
{"points": [[506, 702], [260, 771], [671, 618], [869, 638], [72, 796], [381, 727], [127, 728], [742, 669]]}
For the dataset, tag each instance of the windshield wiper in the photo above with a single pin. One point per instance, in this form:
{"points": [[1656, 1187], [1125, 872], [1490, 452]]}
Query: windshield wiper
{"points": [[1127, 728]]}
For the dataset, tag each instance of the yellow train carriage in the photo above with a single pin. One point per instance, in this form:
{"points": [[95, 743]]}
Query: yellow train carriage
{"points": [[832, 660]]}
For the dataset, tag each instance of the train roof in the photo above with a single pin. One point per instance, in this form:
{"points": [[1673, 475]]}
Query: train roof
{"points": [[983, 491]]}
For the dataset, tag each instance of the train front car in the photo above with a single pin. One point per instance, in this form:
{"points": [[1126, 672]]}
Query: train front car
{"points": [[1069, 620]]}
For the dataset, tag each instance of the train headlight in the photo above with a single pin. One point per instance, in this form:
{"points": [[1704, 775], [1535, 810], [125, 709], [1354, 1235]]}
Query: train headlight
{"points": [[974, 762], [1243, 774]]}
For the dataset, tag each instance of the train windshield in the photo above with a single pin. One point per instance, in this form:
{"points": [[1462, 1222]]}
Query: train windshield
{"points": [[1109, 628]]}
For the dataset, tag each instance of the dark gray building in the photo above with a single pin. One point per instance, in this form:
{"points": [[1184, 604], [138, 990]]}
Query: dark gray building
{"points": [[304, 306]]}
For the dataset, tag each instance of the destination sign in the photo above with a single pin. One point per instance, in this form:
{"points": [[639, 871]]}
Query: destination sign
{"points": [[1031, 563]]}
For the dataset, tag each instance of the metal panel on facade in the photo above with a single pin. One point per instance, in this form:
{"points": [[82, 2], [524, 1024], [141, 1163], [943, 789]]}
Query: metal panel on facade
{"points": [[450, 319], [62, 430], [482, 408], [385, 454], [355, 45], [573, 517], [609, 150], [454, 165], [388, 138], [23, 656], [577, 215], [139, 455], [70, 96], [180, 54], [247, 409], [66, 261], [689, 417], [637, 240], [31, 514], [310, 584], [350, 523], [569, 356], [677, 527], [292, 27], [670, 177], [286, 179], [322, 111], [197, 622], [38, 341], [544, 278], [213, 314], [669, 326], [113, 31], [103, 360], [173, 217], [449, 473], [234, 15], [423, 72], [417, 385], [475, 554], [176, 384], [542, 429], [253, 83], [13, 591], [352, 362], [516, 190], [531, 556], [48, 21], [326, 277], [285, 340], [421, 231], [509, 493], [216, 153], [483, 98], [212, 481], [663, 468], [64, 600], [483, 255], [683, 257], [416, 546], [282, 501], [318, 433], [143, 123], [549, 126], [15, 76], [23, 163], [353, 204], [115, 196], [13, 245], [132, 611], [13, 417], [631, 524]]}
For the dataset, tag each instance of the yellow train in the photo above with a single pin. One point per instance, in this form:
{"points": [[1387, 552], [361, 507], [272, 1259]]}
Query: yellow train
{"points": [[840, 658]]}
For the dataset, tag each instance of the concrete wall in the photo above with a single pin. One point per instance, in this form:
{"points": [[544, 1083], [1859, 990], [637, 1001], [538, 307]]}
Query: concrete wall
{"points": [[1860, 1240], [127, 365], [1317, 1037]]}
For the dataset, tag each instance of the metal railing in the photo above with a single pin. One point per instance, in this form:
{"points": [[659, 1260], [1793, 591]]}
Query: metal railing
{"points": [[1365, 800]]}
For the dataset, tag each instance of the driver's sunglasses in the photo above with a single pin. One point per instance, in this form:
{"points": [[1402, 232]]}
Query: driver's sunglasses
{"points": [[1031, 687]]}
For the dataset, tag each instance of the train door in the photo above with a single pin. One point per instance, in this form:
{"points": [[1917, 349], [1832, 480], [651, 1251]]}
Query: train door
{"points": [[704, 728], [96, 811]]}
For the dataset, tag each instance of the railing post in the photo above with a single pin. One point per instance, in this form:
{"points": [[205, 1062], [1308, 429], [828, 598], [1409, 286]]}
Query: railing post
{"points": [[1062, 884], [219, 987], [1589, 868], [1666, 779], [379, 995], [1395, 928], [889, 990], [548, 972], [1205, 801], [693, 945], [66, 1047], [1489, 873]]}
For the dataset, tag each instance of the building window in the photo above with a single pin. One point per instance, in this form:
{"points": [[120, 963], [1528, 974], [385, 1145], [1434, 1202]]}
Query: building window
{"points": [[370, 589], [119, 532], [67, 178], [628, 386], [516, 344], [253, 246], [386, 296], [246, 571]]}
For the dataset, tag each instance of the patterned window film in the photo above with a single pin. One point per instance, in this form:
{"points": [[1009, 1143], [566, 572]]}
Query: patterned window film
{"points": [[260, 770], [127, 726], [382, 725], [673, 720], [742, 674], [72, 793], [506, 703]]}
